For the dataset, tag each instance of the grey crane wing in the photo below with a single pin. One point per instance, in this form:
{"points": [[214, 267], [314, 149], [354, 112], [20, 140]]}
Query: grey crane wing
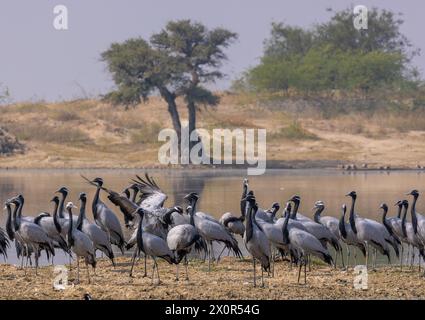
{"points": [[82, 243], [206, 216], [152, 197], [127, 207], [181, 236], [155, 245], [34, 233], [306, 242], [211, 230]]}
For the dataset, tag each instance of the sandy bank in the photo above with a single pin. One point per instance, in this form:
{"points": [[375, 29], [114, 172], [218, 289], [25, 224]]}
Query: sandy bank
{"points": [[230, 279]]}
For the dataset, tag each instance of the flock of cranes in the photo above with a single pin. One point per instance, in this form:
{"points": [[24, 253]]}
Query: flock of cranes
{"points": [[172, 233]]}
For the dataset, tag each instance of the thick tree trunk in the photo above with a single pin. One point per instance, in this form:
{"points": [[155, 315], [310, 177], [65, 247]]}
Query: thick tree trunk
{"points": [[191, 108], [172, 110], [192, 121]]}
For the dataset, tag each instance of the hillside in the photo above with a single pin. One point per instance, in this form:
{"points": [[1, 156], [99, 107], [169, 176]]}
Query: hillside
{"points": [[92, 134]]}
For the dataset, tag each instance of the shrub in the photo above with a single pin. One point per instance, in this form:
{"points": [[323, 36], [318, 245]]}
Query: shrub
{"points": [[294, 131], [148, 133]]}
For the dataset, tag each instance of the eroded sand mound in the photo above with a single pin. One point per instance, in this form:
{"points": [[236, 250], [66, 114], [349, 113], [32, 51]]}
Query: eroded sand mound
{"points": [[9, 145]]}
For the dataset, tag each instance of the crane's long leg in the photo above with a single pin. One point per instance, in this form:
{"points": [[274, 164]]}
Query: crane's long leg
{"points": [[367, 255], [305, 268], [299, 270], [209, 255], [212, 251], [401, 257], [355, 257], [78, 269], [309, 262], [177, 272], [262, 277], [88, 272], [219, 256], [255, 279], [272, 260], [342, 257], [336, 259], [70, 262], [36, 264], [348, 255], [157, 269], [153, 272], [146, 267], [185, 265], [133, 261]]}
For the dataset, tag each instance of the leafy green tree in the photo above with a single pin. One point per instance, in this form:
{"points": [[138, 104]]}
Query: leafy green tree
{"points": [[334, 55], [287, 41], [201, 52], [382, 34], [138, 71], [176, 62]]}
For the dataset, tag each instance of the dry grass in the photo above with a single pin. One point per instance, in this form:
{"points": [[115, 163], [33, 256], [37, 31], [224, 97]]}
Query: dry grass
{"points": [[230, 279], [40, 132], [148, 133], [294, 131], [65, 115], [90, 133]]}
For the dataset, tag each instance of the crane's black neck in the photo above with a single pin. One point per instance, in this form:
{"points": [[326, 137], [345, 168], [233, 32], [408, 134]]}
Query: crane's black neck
{"points": [[341, 225], [287, 211], [94, 203], [62, 204], [413, 214], [285, 231], [295, 211], [14, 217], [82, 214], [351, 218], [399, 211], [21, 206], [274, 211], [243, 202], [18, 214], [71, 239], [140, 234], [193, 204], [55, 217], [403, 220], [249, 226], [318, 213], [168, 218], [9, 228], [385, 221]]}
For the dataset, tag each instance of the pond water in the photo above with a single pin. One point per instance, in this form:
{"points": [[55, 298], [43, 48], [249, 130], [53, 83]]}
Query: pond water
{"points": [[220, 189]]}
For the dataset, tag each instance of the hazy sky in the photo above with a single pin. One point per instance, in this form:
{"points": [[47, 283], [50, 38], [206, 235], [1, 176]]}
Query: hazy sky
{"points": [[39, 62]]}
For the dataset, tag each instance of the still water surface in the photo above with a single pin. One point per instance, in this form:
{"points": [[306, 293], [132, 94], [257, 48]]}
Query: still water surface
{"points": [[220, 189]]}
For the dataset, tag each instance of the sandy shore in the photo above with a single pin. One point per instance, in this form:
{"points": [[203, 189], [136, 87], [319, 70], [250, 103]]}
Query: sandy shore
{"points": [[230, 279]]}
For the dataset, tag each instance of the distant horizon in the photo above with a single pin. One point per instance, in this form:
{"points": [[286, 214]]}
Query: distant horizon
{"points": [[41, 63]]}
